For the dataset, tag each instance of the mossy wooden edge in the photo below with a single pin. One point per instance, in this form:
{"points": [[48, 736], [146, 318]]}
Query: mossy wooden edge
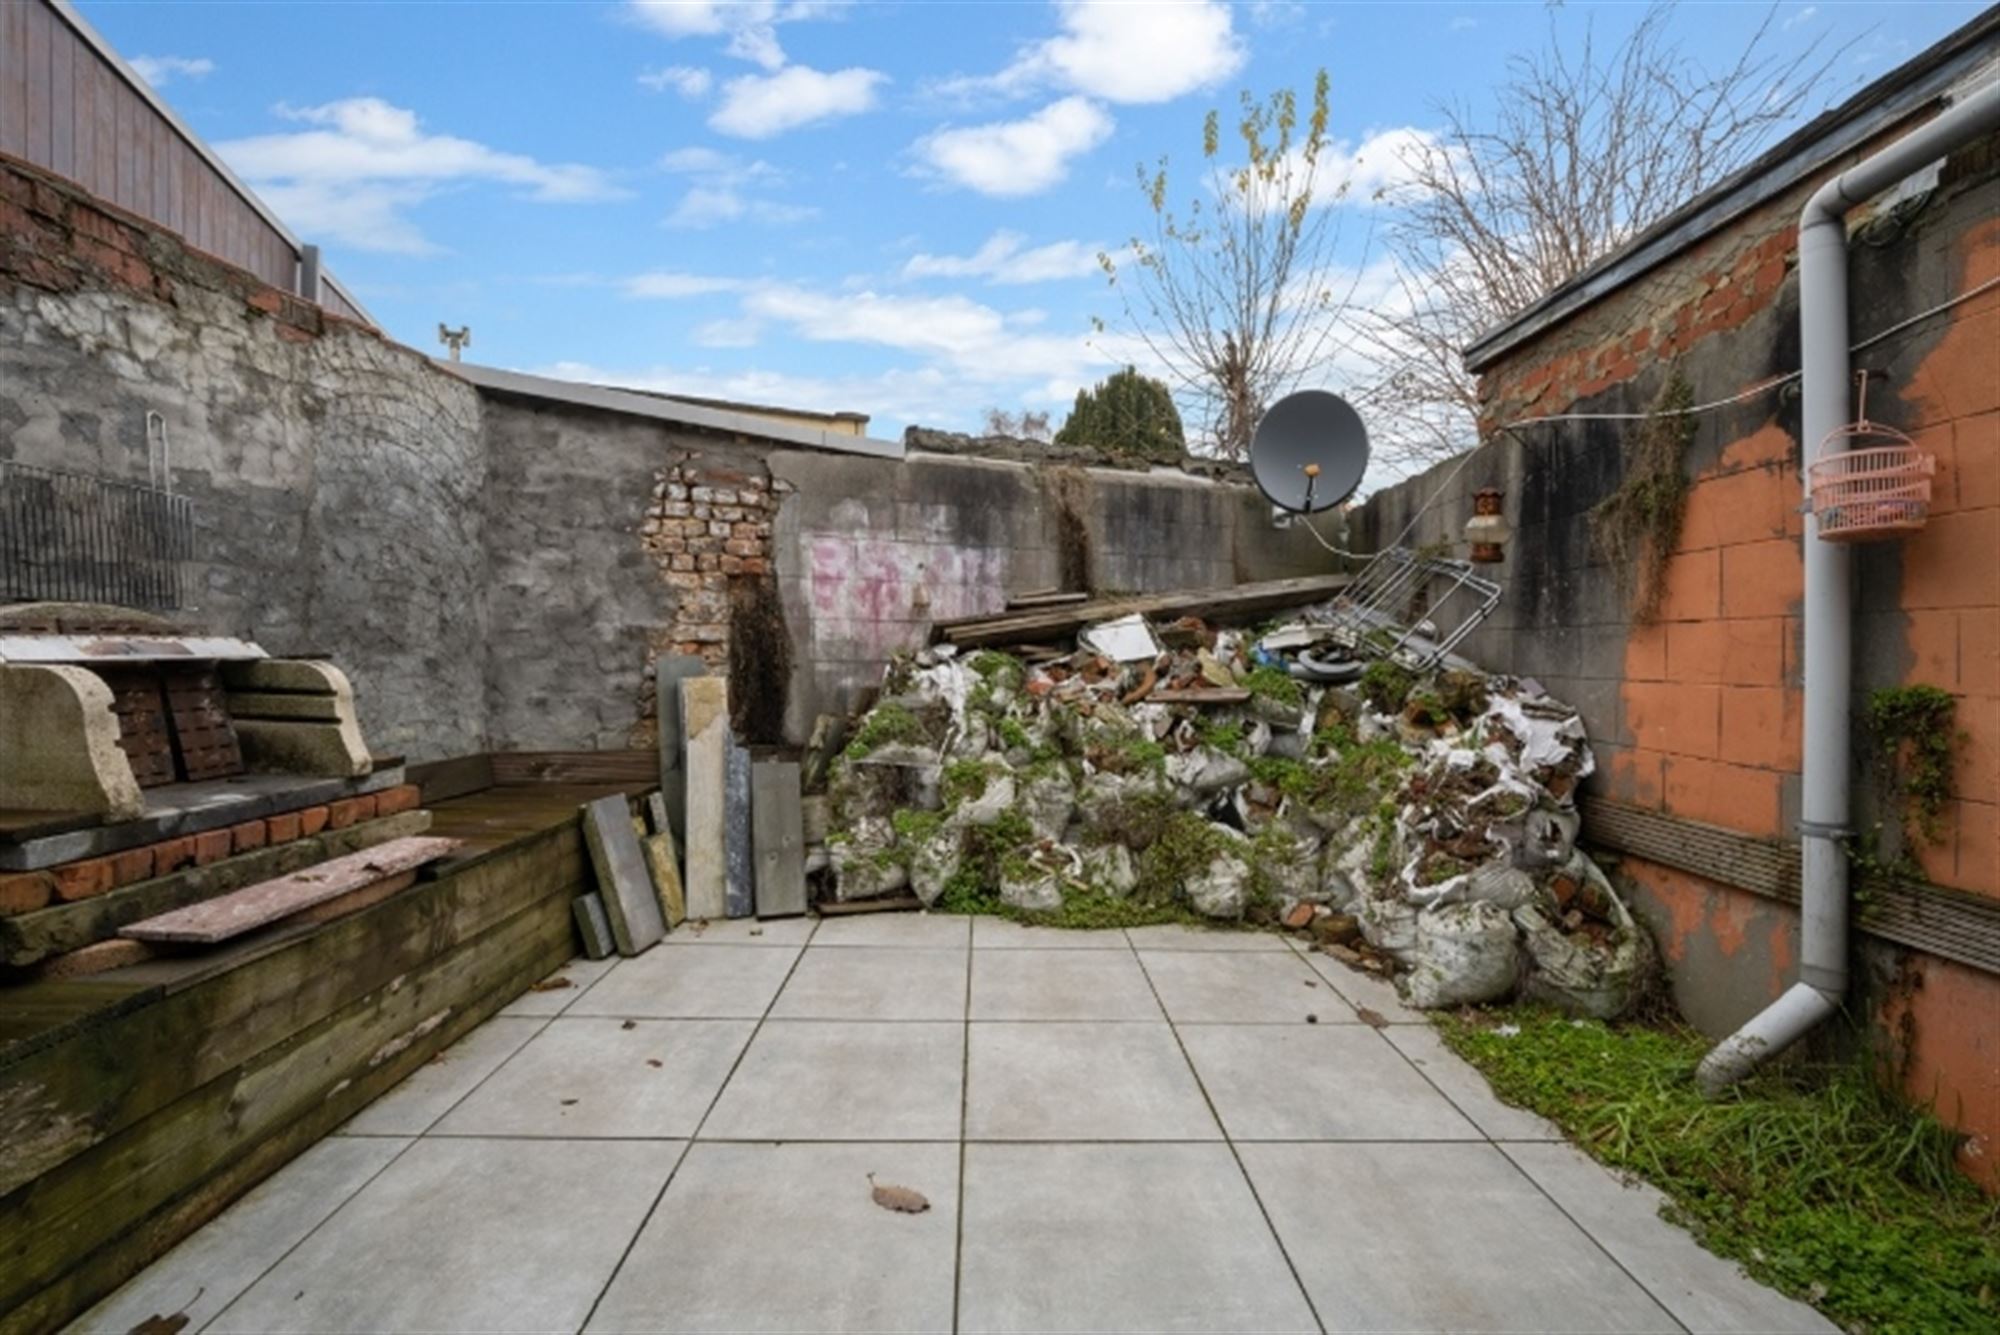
{"points": [[66, 1096], [27, 938], [76, 1233]]}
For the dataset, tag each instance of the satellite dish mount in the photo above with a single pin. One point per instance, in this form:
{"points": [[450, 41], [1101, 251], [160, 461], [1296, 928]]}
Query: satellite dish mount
{"points": [[1309, 451]]}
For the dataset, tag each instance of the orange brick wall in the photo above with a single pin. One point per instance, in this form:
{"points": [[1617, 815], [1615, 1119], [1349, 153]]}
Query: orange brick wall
{"points": [[1697, 712]]}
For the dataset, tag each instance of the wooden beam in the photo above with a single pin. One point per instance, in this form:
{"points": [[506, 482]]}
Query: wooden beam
{"points": [[265, 902], [1241, 601]]}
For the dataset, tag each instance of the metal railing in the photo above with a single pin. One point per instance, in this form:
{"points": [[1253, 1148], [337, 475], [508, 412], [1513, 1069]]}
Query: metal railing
{"points": [[66, 537]]}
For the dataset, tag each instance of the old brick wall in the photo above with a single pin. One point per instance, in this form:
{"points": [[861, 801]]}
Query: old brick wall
{"points": [[1695, 714], [335, 475]]}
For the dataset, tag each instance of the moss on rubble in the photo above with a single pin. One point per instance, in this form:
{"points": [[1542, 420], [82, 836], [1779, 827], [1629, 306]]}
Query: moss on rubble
{"points": [[887, 724]]}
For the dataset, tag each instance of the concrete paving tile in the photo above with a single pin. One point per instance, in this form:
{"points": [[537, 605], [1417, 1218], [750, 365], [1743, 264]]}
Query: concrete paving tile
{"points": [[1466, 1087], [1316, 1082], [467, 1235], [717, 982], [895, 929], [580, 972], [1082, 1082], [743, 932], [1178, 936], [990, 933], [844, 1080], [222, 1259], [1118, 1238], [876, 983], [429, 1092], [585, 1076], [1438, 1237], [1705, 1292], [787, 1238], [1061, 985], [1238, 987], [1361, 988]]}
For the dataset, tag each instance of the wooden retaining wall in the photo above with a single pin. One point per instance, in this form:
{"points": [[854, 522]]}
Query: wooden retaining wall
{"points": [[159, 1094]]}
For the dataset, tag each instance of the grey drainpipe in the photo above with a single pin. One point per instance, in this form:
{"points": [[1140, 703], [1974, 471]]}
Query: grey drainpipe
{"points": [[1829, 622]]}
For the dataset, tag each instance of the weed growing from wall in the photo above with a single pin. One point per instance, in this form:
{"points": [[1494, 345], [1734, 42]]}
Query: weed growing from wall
{"points": [[1635, 528], [1913, 741]]}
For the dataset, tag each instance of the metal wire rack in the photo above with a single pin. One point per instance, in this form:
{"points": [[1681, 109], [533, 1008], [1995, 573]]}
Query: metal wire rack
{"points": [[72, 538], [1413, 609]]}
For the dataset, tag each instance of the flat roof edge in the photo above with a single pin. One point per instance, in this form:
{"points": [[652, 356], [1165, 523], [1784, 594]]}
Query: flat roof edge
{"points": [[662, 409], [1833, 133]]}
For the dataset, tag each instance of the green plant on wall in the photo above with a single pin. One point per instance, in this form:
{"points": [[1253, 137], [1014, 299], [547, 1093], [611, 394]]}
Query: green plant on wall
{"points": [[1635, 528], [1913, 740]]}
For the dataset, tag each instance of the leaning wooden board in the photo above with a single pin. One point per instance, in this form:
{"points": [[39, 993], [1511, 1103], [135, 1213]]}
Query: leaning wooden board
{"points": [[267, 902]]}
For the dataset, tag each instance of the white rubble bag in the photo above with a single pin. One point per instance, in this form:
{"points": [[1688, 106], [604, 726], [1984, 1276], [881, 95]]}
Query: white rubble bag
{"points": [[1465, 954], [1577, 975]]}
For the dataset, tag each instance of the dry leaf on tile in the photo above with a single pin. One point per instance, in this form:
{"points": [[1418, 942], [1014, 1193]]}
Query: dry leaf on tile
{"points": [[900, 1199]]}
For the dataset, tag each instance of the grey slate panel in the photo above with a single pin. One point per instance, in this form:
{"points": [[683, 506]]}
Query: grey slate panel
{"points": [[778, 829], [738, 865], [593, 926], [623, 883]]}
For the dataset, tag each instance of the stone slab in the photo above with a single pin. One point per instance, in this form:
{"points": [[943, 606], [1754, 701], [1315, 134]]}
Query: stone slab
{"points": [[1120, 1238], [1061, 985], [593, 927], [1317, 1082], [1058, 1081], [669, 671], [623, 883], [841, 1079], [875, 983], [1439, 1237], [1207, 986], [746, 932], [786, 1238], [588, 1077], [211, 1268], [778, 838], [1701, 1289], [580, 973], [259, 905], [705, 721], [991, 933], [739, 862], [464, 1235], [716, 982], [663, 864], [894, 929], [429, 1092]]}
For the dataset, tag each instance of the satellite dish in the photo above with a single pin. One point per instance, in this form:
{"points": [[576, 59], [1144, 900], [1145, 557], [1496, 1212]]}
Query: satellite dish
{"points": [[1309, 452]]}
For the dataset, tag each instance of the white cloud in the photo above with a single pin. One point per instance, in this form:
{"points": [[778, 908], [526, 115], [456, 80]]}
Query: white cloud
{"points": [[351, 178], [687, 80], [1005, 257], [723, 189], [1805, 15], [736, 333], [1020, 157], [759, 106], [1127, 53], [668, 286], [158, 70], [751, 26], [1463, 23]]}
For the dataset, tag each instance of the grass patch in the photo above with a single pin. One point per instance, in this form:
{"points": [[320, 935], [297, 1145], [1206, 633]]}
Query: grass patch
{"points": [[1386, 685], [1819, 1181], [1275, 684]]}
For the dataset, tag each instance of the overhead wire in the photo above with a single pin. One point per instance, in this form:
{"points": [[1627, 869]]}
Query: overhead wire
{"points": [[1761, 387]]}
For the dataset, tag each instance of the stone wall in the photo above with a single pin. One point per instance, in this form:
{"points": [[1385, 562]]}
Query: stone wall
{"points": [[1695, 712], [335, 475]]}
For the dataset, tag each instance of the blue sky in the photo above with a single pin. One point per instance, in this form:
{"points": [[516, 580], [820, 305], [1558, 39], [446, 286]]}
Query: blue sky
{"points": [[885, 208]]}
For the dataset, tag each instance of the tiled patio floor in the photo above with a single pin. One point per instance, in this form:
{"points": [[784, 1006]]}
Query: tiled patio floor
{"points": [[1147, 1130]]}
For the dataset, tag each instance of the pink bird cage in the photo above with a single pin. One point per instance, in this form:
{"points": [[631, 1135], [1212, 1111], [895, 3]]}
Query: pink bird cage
{"points": [[1870, 482]]}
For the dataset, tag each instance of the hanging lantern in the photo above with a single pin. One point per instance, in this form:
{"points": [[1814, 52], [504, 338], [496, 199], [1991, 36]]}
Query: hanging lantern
{"points": [[1487, 530]]}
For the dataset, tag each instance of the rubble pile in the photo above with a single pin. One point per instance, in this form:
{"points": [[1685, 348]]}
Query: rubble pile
{"points": [[1420, 825]]}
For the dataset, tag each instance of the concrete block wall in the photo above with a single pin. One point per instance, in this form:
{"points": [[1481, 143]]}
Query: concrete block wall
{"points": [[1695, 713]]}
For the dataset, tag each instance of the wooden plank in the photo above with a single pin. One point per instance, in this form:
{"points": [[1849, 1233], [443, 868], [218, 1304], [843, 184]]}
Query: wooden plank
{"points": [[663, 862], [56, 1222], [34, 69], [1214, 695], [441, 780], [62, 102], [592, 926], [630, 903], [1241, 601], [575, 767], [84, 1077], [705, 712], [28, 937], [780, 838], [1024, 602], [13, 90], [259, 905]]}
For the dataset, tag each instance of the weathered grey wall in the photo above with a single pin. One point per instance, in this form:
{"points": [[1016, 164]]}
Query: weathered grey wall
{"points": [[336, 482]]}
